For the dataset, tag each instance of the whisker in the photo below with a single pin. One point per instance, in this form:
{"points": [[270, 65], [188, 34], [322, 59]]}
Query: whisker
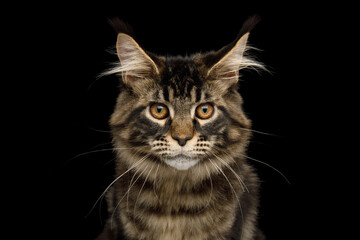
{"points": [[101, 144], [268, 165], [126, 194], [131, 185], [221, 150], [135, 154], [260, 132], [97, 151], [115, 180], [154, 189], [233, 190], [211, 188], [256, 160], [211, 191], [198, 171], [147, 176], [110, 161], [227, 179], [90, 152], [87, 153], [99, 130], [242, 184]]}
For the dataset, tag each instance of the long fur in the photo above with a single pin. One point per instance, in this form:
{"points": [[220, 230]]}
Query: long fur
{"points": [[241, 60], [150, 199]]}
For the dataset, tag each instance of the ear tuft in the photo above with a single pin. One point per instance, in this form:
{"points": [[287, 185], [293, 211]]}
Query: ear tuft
{"points": [[121, 27], [136, 68], [136, 65], [249, 24], [225, 71], [234, 61]]}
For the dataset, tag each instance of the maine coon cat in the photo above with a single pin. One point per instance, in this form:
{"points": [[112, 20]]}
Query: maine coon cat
{"points": [[180, 136]]}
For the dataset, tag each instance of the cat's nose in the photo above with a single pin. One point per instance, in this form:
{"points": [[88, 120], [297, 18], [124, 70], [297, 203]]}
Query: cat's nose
{"points": [[182, 129], [182, 139]]}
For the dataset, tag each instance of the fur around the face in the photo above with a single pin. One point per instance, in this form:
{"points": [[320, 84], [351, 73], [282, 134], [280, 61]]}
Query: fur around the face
{"points": [[164, 190]]}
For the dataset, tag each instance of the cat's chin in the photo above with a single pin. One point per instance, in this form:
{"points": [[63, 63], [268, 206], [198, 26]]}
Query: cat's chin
{"points": [[181, 162]]}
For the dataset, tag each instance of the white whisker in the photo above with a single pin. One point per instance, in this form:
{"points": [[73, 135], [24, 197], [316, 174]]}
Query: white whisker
{"points": [[94, 151], [211, 189], [260, 132], [256, 160], [242, 184], [99, 130], [97, 151], [101, 144], [266, 164], [147, 176], [154, 188], [131, 185], [116, 179], [227, 179], [127, 193], [234, 193]]}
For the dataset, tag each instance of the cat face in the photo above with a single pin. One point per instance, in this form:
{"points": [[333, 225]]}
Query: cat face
{"points": [[180, 111], [186, 114]]}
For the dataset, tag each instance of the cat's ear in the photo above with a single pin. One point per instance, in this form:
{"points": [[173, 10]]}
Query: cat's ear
{"points": [[137, 67], [225, 72], [223, 66]]}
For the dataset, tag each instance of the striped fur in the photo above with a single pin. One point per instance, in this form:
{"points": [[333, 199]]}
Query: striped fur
{"points": [[157, 194]]}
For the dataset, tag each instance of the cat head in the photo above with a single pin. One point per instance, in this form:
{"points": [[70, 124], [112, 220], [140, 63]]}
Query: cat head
{"points": [[180, 111]]}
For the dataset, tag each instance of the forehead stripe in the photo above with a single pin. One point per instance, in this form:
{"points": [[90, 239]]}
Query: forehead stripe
{"points": [[165, 93], [188, 89], [198, 94]]}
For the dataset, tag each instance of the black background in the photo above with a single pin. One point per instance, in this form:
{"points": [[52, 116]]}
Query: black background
{"points": [[63, 114]]}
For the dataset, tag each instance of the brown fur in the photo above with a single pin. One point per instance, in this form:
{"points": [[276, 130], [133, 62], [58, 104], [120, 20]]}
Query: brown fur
{"points": [[217, 198]]}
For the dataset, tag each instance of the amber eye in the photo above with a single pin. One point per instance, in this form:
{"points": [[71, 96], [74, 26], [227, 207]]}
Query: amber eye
{"points": [[159, 111], [204, 111]]}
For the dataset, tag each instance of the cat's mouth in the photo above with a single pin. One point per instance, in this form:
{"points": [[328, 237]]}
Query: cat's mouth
{"points": [[181, 161]]}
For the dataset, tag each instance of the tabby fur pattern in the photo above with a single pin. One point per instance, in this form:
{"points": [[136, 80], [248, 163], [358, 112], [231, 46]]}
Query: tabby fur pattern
{"points": [[181, 177]]}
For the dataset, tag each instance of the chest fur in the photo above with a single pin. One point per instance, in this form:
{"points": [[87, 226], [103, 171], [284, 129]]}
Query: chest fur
{"points": [[169, 210]]}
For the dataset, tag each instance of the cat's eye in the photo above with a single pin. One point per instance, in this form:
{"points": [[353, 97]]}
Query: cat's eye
{"points": [[159, 111], [204, 111]]}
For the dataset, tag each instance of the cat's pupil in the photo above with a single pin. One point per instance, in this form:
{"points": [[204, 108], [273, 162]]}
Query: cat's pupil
{"points": [[159, 109], [204, 109]]}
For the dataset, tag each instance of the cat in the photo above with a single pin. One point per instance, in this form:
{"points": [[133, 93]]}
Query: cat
{"points": [[180, 137]]}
